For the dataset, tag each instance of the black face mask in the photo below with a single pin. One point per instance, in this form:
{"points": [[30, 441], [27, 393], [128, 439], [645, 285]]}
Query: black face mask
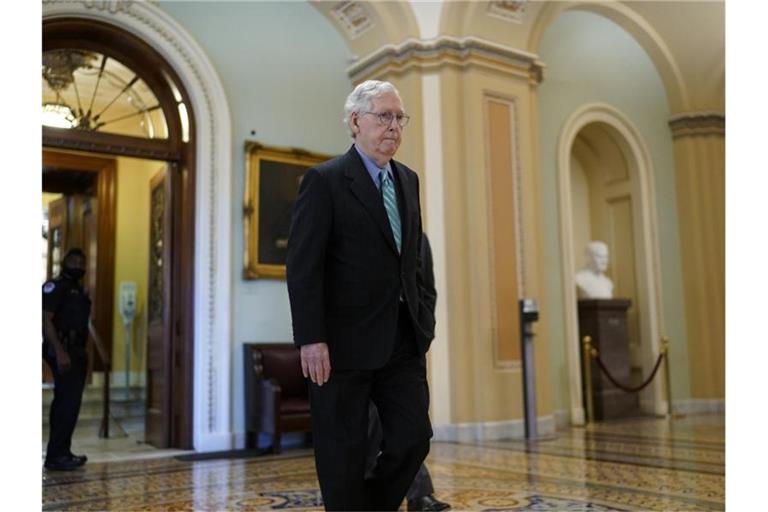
{"points": [[74, 273]]}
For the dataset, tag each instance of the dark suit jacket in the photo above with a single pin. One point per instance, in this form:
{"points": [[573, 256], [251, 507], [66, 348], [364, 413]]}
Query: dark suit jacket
{"points": [[429, 298], [344, 274]]}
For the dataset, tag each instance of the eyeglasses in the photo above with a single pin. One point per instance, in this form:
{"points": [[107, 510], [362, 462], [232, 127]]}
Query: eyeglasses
{"points": [[386, 118]]}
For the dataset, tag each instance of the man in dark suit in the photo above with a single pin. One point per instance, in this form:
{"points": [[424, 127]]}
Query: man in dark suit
{"points": [[358, 307], [421, 492]]}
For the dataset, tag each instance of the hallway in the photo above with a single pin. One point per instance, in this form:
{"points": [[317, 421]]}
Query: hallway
{"points": [[641, 464]]}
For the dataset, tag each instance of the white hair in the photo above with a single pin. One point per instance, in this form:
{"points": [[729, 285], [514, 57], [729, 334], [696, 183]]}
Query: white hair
{"points": [[361, 98]]}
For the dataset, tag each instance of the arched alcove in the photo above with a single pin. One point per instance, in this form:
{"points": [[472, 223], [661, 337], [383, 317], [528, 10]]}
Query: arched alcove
{"points": [[605, 205], [601, 154]]}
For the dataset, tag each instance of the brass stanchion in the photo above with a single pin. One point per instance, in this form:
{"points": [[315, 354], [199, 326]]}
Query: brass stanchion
{"points": [[665, 352], [588, 352]]}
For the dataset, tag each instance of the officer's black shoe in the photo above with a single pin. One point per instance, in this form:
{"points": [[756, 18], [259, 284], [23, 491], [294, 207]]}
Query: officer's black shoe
{"points": [[427, 502], [63, 463]]}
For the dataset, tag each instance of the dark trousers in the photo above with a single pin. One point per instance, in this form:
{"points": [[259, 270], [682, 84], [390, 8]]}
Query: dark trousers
{"points": [[340, 429], [67, 397], [422, 483]]}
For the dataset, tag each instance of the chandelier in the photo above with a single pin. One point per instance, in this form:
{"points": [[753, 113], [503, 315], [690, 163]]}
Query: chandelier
{"points": [[90, 91]]}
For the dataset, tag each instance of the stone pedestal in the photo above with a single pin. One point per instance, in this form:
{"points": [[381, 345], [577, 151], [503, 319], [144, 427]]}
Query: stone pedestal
{"points": [[605, 321]]}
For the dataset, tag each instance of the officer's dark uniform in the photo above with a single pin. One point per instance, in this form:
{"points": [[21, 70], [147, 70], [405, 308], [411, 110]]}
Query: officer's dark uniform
{"points": [[71, 308]]}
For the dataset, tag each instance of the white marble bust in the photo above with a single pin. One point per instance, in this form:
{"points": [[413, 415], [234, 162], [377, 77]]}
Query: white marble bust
{"points": [[591, 281]]}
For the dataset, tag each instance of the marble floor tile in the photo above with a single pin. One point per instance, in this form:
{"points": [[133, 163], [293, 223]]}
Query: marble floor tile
{"points": [[641, 464]]}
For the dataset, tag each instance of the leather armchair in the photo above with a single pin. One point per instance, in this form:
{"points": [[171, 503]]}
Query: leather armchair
{"points": [[276, 394]]}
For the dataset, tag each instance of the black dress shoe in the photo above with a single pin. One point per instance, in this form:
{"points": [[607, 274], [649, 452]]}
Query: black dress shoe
{"points": [[427, 502], [63, 463], [81, 459]]}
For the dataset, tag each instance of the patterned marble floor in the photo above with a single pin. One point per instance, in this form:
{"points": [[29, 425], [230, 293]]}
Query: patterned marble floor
{"points": [[642, 464]]}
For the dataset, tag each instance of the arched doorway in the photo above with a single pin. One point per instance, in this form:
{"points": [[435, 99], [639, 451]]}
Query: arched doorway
{"points": [[605, 183], [645, 35], [115, 95]]}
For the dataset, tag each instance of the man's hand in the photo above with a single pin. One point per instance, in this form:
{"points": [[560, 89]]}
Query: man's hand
{"points": [[316, 363]]}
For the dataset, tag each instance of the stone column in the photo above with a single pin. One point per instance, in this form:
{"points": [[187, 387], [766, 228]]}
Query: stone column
{"points": [[699, 142]]}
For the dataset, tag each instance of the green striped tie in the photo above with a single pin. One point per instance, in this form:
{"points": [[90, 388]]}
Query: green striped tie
{"points": [[390, 204]]}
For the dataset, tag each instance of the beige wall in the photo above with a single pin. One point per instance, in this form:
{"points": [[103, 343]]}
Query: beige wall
{"points": [[132, 259], [48, 197]]}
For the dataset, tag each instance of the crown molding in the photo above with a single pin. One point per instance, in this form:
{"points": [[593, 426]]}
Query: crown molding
{"points": [[447, 51], [686, 124]]}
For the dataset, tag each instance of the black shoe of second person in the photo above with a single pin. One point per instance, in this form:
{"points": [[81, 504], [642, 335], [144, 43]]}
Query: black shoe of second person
{"points": [[82, 459], [63, 463], [427, 502]]}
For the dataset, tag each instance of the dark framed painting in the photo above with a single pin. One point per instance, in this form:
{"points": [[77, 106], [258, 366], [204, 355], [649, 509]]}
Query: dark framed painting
{"points": [[272, 179]]}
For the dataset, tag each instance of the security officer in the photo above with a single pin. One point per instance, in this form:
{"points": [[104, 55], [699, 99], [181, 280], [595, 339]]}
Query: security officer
{"points": [[66, 314]]}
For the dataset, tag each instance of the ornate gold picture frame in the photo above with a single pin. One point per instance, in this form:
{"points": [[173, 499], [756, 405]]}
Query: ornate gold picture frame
{"points": [[272, 179]]}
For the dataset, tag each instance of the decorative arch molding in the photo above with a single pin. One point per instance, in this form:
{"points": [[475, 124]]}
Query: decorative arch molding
{"points": [[639, 159], [213, 222], [398, 20], [661, 56], [385, 22], [447, 51]]}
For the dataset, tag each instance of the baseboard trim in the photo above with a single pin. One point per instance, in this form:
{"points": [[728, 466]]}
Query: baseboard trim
{"points": [[117, 379], [653, 407], [287, 441], [562, 419], [238, 440], [490, 430], [495, 430], [698, 406], [213, 442]]}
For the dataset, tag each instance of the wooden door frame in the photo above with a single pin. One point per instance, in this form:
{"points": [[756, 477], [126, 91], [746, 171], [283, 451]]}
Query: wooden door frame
{"points": [[124, 46], [165, 179], [106, 212]]}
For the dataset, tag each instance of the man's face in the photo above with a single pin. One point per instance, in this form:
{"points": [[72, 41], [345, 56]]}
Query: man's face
{"points": [[75, 262], [377, 141]]}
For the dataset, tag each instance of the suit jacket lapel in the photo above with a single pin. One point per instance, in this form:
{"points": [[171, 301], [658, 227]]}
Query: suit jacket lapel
{"points": [[365, 191]]}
